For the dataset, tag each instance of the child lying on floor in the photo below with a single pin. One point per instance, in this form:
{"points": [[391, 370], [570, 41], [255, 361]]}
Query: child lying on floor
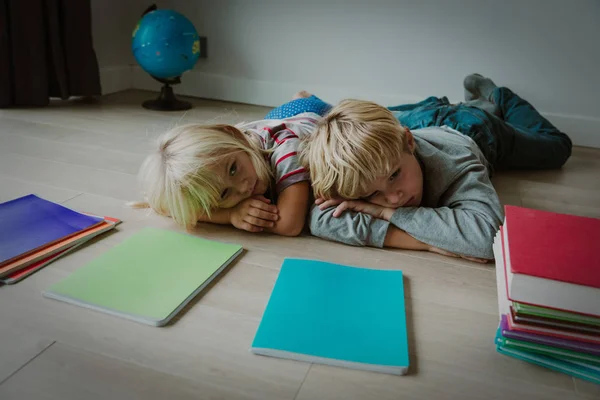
{"points": [[221, 174], [417, 176]]}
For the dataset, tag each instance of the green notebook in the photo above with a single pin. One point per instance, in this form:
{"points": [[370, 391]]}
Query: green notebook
{"points": [[148, 278], [555, 314]]}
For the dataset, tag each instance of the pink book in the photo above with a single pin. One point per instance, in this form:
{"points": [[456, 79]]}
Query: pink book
{"points": [[554, 246], [550, 260]]}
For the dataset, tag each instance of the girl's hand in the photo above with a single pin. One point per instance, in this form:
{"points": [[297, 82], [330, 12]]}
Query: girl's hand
{"points": [[254, 214], [356, 205]]}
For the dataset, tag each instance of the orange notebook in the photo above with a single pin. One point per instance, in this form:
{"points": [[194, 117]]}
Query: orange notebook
{"points": [[25, 272]]}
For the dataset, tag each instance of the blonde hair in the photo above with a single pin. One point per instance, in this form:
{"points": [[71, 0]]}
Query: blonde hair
{"points": [[355, 143], [179, 179]]}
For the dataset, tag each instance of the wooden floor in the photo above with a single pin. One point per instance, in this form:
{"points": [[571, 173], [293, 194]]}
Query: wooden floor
{"points": [[86, 156]]}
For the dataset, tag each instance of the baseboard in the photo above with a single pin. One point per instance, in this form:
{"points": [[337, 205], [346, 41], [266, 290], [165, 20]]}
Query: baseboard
{"points": [[116, 79], [262, 93], [583, 130]]}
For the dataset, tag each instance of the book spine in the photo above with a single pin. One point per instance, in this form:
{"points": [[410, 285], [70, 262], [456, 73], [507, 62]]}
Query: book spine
{"points": [[554, 342]]}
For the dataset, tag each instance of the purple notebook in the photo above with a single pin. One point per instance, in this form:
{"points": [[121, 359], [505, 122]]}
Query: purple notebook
{"points": [[30, 222], [582, 347]]}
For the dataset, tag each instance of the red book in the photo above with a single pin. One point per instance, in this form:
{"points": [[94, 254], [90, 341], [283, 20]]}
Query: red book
{"points": [[548, 262], [554, 246]]}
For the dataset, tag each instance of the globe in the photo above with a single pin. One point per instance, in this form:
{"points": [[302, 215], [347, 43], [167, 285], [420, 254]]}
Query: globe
{"points": [[165, 44]]}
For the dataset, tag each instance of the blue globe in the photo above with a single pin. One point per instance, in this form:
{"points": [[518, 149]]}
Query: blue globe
{"points": [[165, 44]]}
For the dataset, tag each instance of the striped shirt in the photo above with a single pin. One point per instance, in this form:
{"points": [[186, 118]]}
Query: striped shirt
{"points": [[283, 137]]}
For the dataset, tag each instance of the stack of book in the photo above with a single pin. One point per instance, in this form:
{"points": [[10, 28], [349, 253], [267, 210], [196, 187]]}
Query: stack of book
{"points": [[548, 277], [34, 232]]}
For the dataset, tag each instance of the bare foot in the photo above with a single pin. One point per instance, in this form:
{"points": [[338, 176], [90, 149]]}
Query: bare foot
{"points": [[303, 94]]}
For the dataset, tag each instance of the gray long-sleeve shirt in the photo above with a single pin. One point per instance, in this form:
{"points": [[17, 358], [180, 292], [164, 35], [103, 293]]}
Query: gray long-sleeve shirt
{"points": [[460, 211]]}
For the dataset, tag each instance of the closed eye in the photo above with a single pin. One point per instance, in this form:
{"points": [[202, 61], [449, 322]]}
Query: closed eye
{"points": [[370, 196], [224, 193]]}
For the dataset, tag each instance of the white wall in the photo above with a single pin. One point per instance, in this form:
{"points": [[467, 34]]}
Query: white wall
{"points": [[262, 51], [113, 22]]}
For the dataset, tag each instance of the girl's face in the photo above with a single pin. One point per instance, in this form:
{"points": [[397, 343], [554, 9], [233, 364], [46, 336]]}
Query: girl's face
{"points": [[240, 180]]}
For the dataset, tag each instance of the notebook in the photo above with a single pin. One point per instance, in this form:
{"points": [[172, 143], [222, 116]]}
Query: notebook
{"points": [[556, 323], [45, 253], [553, 246], [544, 292], [25, 272], [551, 331], [525, 309], [578, 369], [504, 301], [338, 315], [583, 347], [25, 266], [30, 222], [568, 355], [148, 277]]}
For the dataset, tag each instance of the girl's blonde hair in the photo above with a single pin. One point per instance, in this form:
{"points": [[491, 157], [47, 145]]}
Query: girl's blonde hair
{"points": [[353, 145], [179, 179]]}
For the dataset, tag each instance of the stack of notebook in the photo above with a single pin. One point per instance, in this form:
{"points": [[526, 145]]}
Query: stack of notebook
{"points": [[548, 276], [34, 232]]}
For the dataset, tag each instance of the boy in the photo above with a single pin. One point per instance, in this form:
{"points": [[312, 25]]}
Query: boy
{"points": [[418, 176]]}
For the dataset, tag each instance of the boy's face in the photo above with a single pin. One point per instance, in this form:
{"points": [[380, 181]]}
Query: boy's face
{"points": [[402, 186]]}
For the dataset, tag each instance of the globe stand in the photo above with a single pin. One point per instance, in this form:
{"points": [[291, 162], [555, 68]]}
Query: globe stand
{"points": [[166, 100]]}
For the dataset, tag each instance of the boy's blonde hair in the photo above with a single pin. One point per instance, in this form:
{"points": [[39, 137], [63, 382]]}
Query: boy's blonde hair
{"points": [[178, 179], [355, 143]]}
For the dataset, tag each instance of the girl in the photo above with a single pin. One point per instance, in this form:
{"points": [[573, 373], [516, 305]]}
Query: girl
{"points": [[246, 175]]}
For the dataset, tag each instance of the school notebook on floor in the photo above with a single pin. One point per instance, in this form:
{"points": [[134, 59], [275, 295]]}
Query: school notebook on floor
{"points": [[30, 222], [148, 278], [338, 315]]}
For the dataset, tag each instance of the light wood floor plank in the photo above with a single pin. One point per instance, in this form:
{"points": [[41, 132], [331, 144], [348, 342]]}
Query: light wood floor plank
{"points": [[68, 176], [76, 155], [66, 373], [11, 188]]}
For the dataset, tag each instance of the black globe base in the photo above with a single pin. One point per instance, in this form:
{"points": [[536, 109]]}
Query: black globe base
{"points": [[166, 101]]}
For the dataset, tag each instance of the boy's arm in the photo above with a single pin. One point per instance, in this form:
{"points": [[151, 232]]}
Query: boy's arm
{"points": [[399, 239], [292, 205], [361, 229], [353, 228]]}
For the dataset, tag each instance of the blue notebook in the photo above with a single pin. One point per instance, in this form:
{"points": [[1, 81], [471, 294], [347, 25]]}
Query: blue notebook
{"points": [[30, 222], [338, 315]]}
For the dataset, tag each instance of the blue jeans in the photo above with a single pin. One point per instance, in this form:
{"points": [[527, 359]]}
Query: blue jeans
{"points": [[520, 139]]}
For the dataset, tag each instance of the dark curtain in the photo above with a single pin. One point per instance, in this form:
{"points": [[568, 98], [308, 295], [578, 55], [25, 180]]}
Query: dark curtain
{"points": [[46, 50]]}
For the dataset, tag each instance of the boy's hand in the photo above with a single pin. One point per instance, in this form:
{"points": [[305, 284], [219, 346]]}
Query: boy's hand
{"points": [[356, 205], [254, 214], [447, 253]]}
